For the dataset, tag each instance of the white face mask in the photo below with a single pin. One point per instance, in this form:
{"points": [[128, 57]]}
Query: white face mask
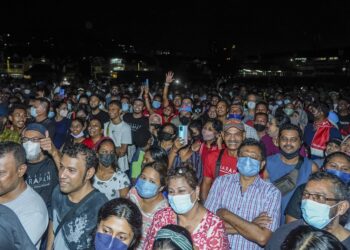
{"points": [[63, 112], [32, 149]]}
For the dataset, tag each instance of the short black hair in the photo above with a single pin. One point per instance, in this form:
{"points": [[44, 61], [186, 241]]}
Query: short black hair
{"points": [[80, 149], [323, 107], [161, 168], [17, 106], [263, 103], [158, 154], [115, 102], [13, 148], [281, 119], [253, 142], [124, 209], [217, 124], [289, 126]]}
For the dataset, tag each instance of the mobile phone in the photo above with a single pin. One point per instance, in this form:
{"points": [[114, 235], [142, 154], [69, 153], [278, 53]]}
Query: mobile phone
{"points": [[183, 133], [146, 83]]}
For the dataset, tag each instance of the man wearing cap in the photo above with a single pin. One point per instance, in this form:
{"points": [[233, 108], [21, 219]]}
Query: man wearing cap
{"points": [[223, 162], [317, 134], [249, 206], [41, 173]]}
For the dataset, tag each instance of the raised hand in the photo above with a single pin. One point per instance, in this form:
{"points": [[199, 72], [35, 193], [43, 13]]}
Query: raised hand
{"points": [[169, 77], [46, 144]]}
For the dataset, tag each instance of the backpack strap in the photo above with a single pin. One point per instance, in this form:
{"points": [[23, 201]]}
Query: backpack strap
{"points": [[218, 163]]}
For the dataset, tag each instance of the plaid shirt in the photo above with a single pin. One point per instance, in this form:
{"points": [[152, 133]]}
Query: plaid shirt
{"points": [[10, 135], [259, 197]]}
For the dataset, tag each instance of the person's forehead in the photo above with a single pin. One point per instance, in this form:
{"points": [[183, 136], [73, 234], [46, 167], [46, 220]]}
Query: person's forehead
{"points": [[233, 130], [32, 133], [321, 186], [75, 162], [339, 160], [289, 132], [19, 110], [95, 123], [250, 149], [7, 161], [107, 146]]}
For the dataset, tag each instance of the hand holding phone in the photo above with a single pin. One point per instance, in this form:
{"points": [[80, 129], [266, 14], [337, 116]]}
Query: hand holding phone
{"points": [[183, 133]]}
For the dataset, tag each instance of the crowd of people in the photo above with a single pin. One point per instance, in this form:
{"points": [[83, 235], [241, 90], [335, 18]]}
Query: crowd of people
{"points": [[104, 166]]}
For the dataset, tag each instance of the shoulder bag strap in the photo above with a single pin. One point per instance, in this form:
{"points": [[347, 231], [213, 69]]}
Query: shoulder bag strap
{"points": [[72, 211], [218, 163]]}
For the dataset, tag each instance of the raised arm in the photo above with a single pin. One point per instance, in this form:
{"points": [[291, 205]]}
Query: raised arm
{"points": [[169, 78], [147, 101]]}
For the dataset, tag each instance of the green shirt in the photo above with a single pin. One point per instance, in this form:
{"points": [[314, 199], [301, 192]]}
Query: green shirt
{"points": [[10, 135]]}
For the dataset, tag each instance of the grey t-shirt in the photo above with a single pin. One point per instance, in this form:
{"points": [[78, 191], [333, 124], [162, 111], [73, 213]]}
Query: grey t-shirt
{"points": [[32, 213], [76, 233], [12, 234]]}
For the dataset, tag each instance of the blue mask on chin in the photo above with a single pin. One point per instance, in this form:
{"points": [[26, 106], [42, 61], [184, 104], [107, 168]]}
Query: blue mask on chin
{"points": [[107, 242], [345, 177]]}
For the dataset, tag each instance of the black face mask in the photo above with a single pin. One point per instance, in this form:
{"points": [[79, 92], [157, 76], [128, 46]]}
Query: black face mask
{"points": [[184, 120], [155, 125], [259, 127], [197, 138], [290, 155], [165, 136], [106, 159]]}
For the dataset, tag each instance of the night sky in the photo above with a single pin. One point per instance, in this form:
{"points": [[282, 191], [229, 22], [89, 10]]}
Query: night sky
{"points": [[191, 26]]}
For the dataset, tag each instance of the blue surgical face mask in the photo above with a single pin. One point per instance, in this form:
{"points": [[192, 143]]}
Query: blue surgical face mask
{"points": [[51, 114], [146, 189], [235, 116], [345, 177], [33, 112], [125, 107], [181, 204], [107, 242], [88, 93], [316, 214], [156, 104], [248, 166]]}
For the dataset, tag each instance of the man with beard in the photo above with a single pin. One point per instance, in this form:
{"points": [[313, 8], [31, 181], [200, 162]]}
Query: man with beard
{"points": [[41, 173], [318, 133], [325, 202], [18, 117], [96, 112], [283, 163], [219, 163]]}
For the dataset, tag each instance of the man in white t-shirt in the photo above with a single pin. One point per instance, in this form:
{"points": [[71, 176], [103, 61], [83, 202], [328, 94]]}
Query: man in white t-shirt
{"points": [[120, 132], [27, 204]]}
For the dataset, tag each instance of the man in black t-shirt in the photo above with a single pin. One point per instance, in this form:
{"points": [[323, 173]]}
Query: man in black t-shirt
{"points": [[136, 120], [41, 172], [96, 112]]}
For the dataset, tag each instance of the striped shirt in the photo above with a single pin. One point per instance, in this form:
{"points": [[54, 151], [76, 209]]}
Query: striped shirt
{"points": [[259, 197]]}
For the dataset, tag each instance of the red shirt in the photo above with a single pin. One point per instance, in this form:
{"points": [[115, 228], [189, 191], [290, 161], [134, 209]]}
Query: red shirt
{"points": [[228, 164], [204, 150]]}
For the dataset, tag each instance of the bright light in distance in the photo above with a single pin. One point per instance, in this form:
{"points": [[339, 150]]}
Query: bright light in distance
{"points": [[177, 81]]}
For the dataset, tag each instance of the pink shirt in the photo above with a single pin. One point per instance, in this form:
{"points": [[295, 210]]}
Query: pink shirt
{"points": [[209, 234]]}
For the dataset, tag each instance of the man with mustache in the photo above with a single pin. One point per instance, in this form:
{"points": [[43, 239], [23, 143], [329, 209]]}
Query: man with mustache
{"points": [[283, 163], [219, 163]]}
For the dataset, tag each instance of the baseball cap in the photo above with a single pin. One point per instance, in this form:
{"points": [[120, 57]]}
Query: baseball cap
{"points": [[229, 123], [36, 127]]}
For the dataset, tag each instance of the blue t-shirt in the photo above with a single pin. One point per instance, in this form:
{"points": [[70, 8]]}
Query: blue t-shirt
{"points": [[276, 168]]}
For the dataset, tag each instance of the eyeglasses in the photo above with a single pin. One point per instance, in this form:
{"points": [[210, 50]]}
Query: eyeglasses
{"points": [[26, 139], [318, 197]]}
